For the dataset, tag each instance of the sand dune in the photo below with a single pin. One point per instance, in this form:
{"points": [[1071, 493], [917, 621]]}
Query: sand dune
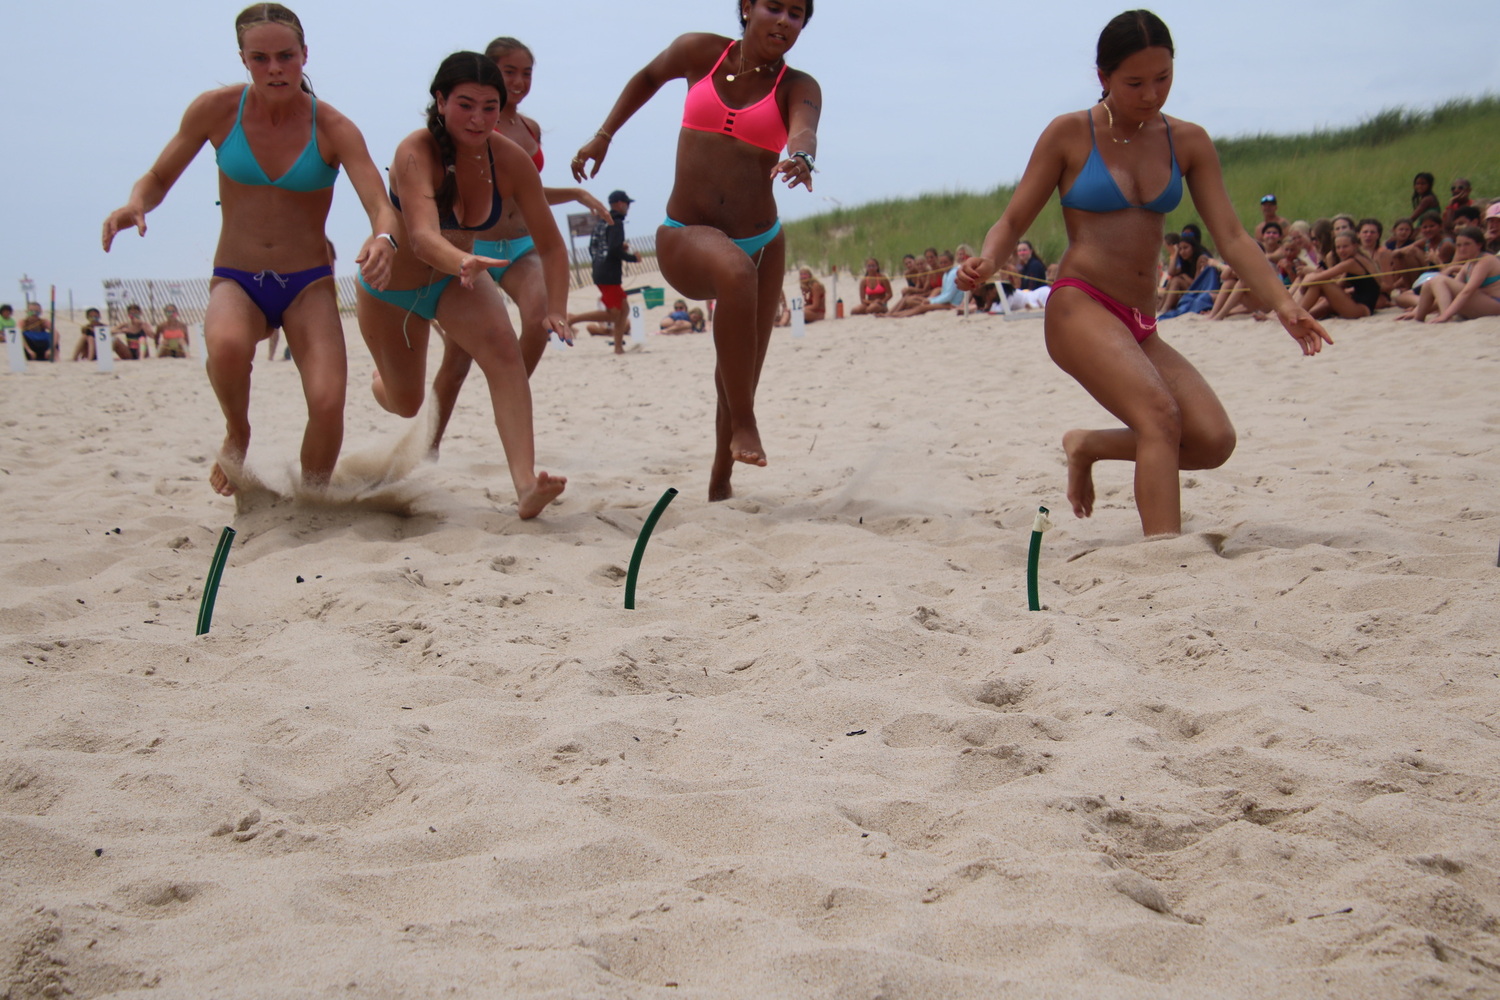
{"points": [[424, 751]]}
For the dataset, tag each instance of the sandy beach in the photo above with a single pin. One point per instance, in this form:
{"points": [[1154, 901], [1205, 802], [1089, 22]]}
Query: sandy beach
{"points": [[425, 751]]}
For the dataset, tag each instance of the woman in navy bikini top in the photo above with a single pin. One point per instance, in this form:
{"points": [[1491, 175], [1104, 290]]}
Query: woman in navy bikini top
{"points": [[454, 178], [1120, 167], [271, 268], [508, 239]]}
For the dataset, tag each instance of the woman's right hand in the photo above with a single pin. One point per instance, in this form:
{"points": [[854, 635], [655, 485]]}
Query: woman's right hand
{"points": [[974, 272], [473, 266], [595, 149], [123, 218]]}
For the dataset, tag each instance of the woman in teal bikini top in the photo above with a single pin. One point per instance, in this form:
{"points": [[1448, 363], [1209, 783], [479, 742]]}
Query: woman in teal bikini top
{"points": [[271, 267]]}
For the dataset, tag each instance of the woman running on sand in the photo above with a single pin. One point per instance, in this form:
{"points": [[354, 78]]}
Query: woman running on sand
{"points": [[509, 239], [1120, 167], [722, 236], [449, 181], [271, 265]]}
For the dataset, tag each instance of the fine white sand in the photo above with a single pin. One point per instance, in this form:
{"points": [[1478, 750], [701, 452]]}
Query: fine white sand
{"points": [[424, 751]]}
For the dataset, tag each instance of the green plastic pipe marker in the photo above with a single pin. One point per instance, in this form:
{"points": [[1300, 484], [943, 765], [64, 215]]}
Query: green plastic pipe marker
{"points": [[640, 546], [211, 585], [1041, 524]]}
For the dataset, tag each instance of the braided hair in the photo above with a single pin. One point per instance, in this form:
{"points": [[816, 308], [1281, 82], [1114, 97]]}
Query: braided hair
{"points": [[459, 68]]}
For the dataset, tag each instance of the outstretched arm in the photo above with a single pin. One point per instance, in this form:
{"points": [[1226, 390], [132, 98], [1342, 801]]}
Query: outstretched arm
{"points": [[519, 181], [804, 110], [1200, 165], [379, 250], [561, 196], [677, 60], [1043, 174], [148, 192]]}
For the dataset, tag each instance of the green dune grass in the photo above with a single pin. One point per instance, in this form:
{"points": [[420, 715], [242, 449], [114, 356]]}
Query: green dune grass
{"points": [[1363, 170]]}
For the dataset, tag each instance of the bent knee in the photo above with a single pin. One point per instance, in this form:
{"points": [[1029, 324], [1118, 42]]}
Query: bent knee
{"points": [[1211, 450]]}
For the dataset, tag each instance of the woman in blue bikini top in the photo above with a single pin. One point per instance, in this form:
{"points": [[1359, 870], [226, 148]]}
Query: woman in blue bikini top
{"points": [[271, 267], [1120, 167]]}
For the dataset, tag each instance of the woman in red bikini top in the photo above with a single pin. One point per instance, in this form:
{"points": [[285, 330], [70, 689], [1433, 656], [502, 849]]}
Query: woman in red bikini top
{"points": [[722, 237], [1120, 167], [874, 291]]}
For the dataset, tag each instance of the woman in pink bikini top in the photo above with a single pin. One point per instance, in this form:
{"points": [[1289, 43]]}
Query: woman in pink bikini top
{"points": [[722, 235]]}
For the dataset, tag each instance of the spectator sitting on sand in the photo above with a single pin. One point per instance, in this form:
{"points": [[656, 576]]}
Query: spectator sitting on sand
{"points": [[1031, 279], [874, 291], [679, 312], [1492, 228], [131, 335], [692, 322], [1369, 233], [36, 334], [84, 351], [947, 296], [1460, 190], [1423, 199], [814, 297], [172, 335], [1347, 288], [1268, 215], [1402, 234], [1465, 215], [1431, 238], [784, 314], [1473, 292], [1187, 263], [1234, 295]]}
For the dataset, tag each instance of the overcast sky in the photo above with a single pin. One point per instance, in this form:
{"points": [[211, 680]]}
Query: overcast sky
{"points": [[917, 97]]}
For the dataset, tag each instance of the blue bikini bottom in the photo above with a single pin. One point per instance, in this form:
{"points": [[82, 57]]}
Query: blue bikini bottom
{"points": [[511, 250], [271, 292]]}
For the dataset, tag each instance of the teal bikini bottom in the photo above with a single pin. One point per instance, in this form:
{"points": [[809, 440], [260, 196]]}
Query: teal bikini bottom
{"points": [[511, 250], [422, 301], [752, 245]]}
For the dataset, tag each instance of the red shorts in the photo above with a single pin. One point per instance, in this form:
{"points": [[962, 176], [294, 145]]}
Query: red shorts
{"points": [[613, 296]]}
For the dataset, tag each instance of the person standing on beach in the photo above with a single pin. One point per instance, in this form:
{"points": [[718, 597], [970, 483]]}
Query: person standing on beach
{"points": [[609, 252], [1099, 323], [722, 236], [509, 239], [271, 265], [450, 180]]}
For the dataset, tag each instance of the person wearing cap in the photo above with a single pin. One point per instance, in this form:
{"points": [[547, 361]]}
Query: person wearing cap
{"points": [[1269, 214], [1492, 228], [609, 252]]}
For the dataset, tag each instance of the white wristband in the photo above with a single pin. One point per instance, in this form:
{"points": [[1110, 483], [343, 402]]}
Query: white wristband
{"points": [[389, 239]]}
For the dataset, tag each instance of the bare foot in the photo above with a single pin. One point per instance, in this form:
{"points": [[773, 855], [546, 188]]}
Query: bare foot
{"points": [[745, 446], [231, 459], [535, 500], [619, 349], [1080, 475], [219, 480]]}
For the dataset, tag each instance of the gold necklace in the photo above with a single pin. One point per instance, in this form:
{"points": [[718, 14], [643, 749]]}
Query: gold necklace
{"points": [[730, 76], [1111, 115]]}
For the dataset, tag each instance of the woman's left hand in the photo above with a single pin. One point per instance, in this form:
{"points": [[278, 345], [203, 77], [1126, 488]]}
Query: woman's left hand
{"points": [[794, 170], [558, 324], [600, 210], [375, 260]]}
